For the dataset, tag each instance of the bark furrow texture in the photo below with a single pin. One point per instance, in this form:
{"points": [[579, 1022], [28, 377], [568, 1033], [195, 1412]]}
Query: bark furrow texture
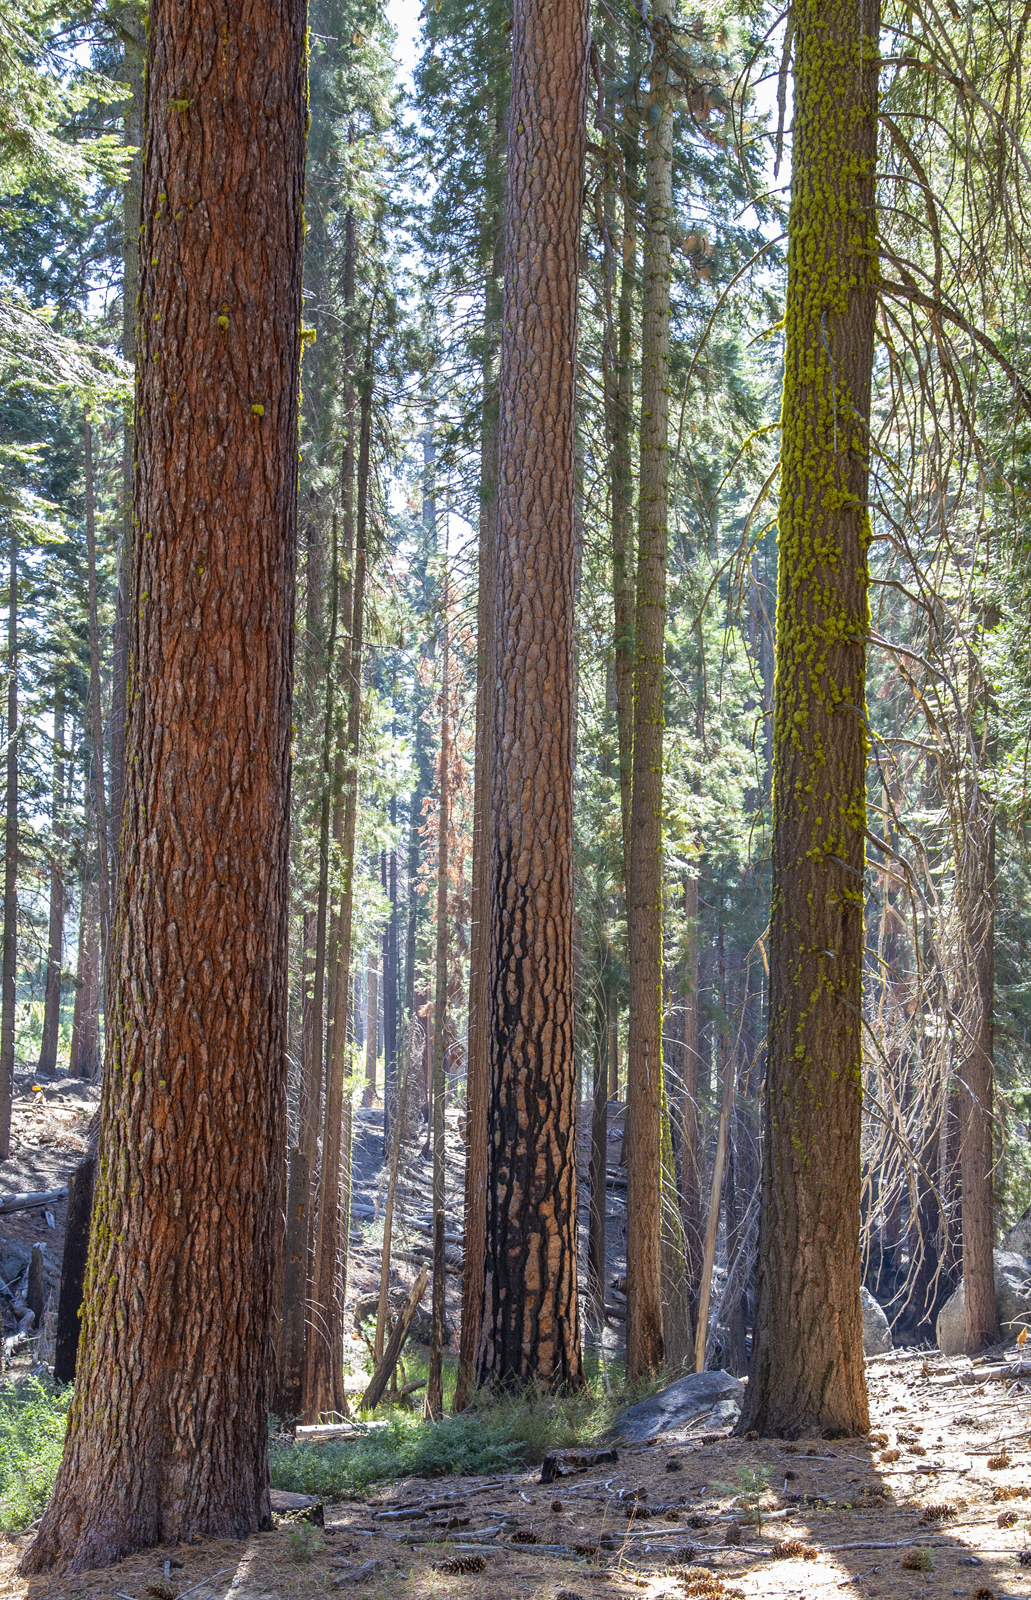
{"points": [[168, 1429], [807, 1374], [531, 1323]]}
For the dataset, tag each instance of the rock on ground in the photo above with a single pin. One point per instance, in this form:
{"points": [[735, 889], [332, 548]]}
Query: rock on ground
{"points": [[876, 1332], [1012, 1301], [676, 1404]]}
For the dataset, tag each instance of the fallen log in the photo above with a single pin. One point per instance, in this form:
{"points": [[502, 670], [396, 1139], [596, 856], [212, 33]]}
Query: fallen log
{"points": [[381, 1376], [1010, 1369], [33, 1201]]}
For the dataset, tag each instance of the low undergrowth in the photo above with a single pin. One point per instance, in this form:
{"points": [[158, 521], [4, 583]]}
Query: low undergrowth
{"points": [[493, 1435], [32, 1423]]}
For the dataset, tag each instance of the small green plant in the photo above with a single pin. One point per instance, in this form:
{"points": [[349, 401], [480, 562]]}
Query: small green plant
{"points": [[752, 1484], [919, 1559], [32, 1423], [304, 1542]]}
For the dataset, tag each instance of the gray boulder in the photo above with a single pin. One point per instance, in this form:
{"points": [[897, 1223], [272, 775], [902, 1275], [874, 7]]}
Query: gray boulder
{"points": [[14, 1258], [1012, 1302], [1018, 1240], [678, 1403], [876, 1332]]}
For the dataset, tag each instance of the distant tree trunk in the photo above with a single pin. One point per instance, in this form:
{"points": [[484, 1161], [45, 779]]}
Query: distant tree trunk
{"points": [[97, 723], [134, 54], [9, 965], [646, 1337], [976, 890], [371, 1027], [807, 1374], [599, 1135], [168, 1430], [390, 936], [531, 1320], [690, 1154], [620, 401], [435, 1385], [58, 897], [925, 1240], [299, 1235], [478, 1065], [84, 1059], [324, 1386]]}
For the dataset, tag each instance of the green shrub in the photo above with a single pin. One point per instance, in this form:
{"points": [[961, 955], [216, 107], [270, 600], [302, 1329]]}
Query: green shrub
{"points": [[500, 1435], [32, 1423]]}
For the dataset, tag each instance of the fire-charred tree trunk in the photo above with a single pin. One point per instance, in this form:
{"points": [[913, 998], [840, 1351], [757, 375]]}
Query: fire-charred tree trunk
{"points": [[807, 1372], [168, 1430], [531, 1321]]}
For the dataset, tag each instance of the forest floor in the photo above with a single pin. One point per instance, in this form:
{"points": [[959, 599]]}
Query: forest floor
{"points": [[936, 1502], [654, 1523]]}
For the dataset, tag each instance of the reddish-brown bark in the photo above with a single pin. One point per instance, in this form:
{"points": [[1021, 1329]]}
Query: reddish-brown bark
{"points": [[531, 1326], [168, 1429]]}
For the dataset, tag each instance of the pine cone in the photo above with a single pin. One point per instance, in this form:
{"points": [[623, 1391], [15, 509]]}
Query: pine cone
{"points": [[454, 1564]]}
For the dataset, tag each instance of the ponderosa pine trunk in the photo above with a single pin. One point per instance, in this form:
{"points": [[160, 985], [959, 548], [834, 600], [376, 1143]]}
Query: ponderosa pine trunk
{"points": [[531, 1319], [58, 898], [168, 1431], [9, 962], [647, 1173], [620, 398], [807, 1375]]}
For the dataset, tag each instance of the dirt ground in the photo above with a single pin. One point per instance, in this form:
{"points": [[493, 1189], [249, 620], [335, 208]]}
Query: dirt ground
{"points": [[937, 1502], [654, 1523]]}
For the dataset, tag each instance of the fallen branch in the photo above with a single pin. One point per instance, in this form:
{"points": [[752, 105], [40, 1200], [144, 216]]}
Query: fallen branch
{"points": [[381, 1377], [32, 1201], [1012, 1369]]}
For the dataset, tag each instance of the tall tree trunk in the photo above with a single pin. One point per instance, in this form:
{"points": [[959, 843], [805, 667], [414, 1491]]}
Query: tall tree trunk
{"points": [[9, 964], [690, 1152], [324, 1387], [58, 898], [390, 933], [599, 1134], [97, 722], [298, 1240], [645, 1335], [168, 1431], [84, 1059], [620, 400], [531, 1319], [371, 1027], [976, 890], [478, 1065], [435, 1385], [807, 1373], [133, 57]]}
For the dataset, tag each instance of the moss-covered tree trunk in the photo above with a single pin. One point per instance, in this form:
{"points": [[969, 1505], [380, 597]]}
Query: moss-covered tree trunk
{"points": [[807, 1371], [168, 1431], [655, 1267]]}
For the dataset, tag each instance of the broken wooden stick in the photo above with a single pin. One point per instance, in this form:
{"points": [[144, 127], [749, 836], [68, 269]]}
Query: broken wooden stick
{"points": [[31, 1201], [381, 1376]]}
